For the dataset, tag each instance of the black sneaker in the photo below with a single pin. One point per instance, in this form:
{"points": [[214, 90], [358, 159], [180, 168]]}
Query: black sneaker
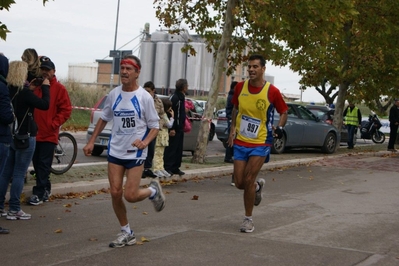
{"points": [[178, 172], [148, 173], [46, 196], [34, 200]]}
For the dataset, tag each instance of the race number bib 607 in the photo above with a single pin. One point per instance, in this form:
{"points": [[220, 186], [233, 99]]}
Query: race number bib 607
{"points": [[125, 122], [249, 127]]}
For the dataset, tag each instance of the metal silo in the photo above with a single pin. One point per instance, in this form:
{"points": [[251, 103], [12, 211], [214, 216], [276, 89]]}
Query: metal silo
{"points": [[207, 69], [147, 58], [194, 68], [177, 64], [162, 64]]}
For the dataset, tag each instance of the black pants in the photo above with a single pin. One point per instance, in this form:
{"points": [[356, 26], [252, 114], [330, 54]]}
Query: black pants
{"points": [[42, 160], [150, 154], [229, 150], [392, 135], [174, 152]]}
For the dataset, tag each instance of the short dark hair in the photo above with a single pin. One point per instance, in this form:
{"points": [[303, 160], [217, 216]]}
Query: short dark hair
{"points": [[150, 85], [133, 57], [180, 84], [258, 57]]}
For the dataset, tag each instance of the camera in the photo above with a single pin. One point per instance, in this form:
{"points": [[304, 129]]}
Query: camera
{"points": [[37, 81]]}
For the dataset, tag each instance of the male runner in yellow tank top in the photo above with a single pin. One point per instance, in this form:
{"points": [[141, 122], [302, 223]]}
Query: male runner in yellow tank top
{"points": [[251, 132]]}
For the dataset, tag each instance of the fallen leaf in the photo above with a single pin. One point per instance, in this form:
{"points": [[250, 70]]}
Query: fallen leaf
{"points": [[195, 197], [93, 239], [139, 243], [58, 231], [145, 213], [69, 205], [143, 239]]}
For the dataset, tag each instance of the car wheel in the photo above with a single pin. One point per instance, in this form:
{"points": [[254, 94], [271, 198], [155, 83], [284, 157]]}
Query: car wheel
{"points": [[211, 132], [279, 145], [97, 150], [330, 144]]}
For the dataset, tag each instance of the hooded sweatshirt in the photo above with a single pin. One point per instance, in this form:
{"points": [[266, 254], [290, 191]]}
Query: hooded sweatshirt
{"points": [[6, 112]]}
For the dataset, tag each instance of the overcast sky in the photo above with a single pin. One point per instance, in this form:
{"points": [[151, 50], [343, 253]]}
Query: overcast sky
{"points": [[81, 31]]}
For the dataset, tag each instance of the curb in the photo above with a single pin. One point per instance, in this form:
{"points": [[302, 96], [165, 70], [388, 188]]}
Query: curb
{"points": [[84, 186]]}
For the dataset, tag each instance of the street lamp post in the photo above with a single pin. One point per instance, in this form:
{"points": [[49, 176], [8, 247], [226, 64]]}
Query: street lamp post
{"points": [[111, 83]]}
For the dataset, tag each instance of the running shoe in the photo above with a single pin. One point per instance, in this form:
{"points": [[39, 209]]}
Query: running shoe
{"points": [[159, 198], [34, 200], [258, 194], [124, 239], [247, 226], [19, 215]]}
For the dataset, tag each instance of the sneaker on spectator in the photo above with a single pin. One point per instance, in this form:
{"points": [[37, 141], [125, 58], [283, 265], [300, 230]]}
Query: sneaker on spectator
{"points": [[159, 173], [159, 198], [19, 215], [258, 194], [3, 213], [247, 226], [124, 238], [165, 173], [232, 181], [46, 196], [34, 200]]}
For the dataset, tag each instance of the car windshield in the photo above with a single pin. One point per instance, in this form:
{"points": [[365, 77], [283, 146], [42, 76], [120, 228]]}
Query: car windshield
{"points": [[305, 113]]}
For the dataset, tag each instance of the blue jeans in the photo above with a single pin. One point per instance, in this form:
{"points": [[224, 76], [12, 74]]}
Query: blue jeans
{"points": [[17, 164], [351, 134], [4, 151]]}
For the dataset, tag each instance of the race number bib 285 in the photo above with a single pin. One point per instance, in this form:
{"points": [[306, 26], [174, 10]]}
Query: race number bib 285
{"points": [[125, 122], [249, 127]]}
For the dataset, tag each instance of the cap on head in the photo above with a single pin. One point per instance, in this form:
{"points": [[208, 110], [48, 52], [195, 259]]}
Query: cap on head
{"points": [[46, 63]]}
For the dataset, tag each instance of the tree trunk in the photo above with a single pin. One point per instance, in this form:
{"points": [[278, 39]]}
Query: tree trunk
{"points": [[202, 141]]}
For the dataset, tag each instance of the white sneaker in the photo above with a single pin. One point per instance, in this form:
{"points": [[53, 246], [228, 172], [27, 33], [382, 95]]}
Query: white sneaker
{"points": [[159, 173], [165, 173]]}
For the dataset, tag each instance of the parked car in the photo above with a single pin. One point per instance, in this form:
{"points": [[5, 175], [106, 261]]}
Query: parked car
{"points": [[302, 130], [326, 114], [190, 138]]}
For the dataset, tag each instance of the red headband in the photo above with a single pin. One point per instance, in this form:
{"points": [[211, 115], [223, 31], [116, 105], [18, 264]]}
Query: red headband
{"points": [[129, 62]]}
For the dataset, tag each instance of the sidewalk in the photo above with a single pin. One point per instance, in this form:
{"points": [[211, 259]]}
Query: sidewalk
{"points": [[94, 176]]}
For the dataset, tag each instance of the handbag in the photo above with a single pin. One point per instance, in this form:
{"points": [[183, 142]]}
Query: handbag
{"points": [[21, 141], [187, 125]]}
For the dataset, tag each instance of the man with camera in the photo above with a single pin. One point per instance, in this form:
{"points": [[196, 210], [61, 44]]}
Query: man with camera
{"points": [[48, 123]]}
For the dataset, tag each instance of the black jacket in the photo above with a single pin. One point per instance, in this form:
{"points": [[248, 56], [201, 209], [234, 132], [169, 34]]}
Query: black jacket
{"points": [[394, 114], [27, 100], [179, 110], [6, 113]]}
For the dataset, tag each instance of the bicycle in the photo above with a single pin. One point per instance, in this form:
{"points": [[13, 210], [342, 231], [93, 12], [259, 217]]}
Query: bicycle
{"points": [[64, 154]]}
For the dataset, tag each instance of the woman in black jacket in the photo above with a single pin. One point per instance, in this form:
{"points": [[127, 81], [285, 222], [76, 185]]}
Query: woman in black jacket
{"points": [[24, 102]]}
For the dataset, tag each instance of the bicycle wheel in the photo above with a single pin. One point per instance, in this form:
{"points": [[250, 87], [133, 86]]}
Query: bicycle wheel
{"points": [[64, 154]]}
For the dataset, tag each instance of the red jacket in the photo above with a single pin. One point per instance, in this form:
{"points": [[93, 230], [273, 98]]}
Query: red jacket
{"points": [[49, 121]]}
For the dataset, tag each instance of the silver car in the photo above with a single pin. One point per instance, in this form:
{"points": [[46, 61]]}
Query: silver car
{"points": [[302, 130], [190, 138]]}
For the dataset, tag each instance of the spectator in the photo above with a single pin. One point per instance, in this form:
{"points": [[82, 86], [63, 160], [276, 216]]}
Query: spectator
{"points": [[393, 125], [353, 121], [32, 59], [48, 123], [228, 156], [6, 118], [150, 88], [162, 141], [174, 152], [24, 102]]}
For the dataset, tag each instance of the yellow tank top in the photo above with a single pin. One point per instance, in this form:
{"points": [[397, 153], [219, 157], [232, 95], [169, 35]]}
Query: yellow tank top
{"points": [[255, 116]]}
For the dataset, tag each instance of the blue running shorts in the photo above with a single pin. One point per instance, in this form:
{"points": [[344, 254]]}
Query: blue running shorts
{"points": [[125, 163], [242, 153]]}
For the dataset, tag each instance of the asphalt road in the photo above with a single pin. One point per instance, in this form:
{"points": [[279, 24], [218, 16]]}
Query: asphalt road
{"points": [[341, 211]]}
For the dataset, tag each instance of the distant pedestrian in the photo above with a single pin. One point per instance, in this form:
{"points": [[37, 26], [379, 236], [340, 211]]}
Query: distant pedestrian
{"points": [[135, 125], [251, 132], [393, 125], [19, 159], [353, 121], [6, 118]]}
